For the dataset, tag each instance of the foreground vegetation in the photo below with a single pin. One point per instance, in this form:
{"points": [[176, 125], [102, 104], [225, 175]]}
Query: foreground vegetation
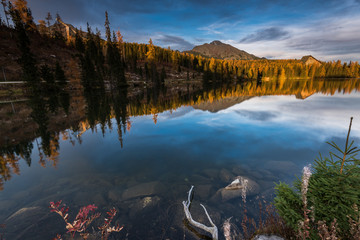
{"points": [[324, 203]]}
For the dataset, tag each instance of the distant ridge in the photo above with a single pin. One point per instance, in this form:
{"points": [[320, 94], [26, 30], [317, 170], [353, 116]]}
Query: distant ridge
{"points": [[219, 50]]}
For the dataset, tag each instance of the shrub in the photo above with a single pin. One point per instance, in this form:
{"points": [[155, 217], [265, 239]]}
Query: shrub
{"points": [[333, 194]]}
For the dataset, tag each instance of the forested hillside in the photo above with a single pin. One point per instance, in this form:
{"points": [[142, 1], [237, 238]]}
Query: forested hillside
{"points": [[27, 50]]}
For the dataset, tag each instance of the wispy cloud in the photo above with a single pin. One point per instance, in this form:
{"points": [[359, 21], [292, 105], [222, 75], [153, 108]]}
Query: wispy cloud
{"points": [[221, 26], [267, 34], [332, 36], [175, 42]]}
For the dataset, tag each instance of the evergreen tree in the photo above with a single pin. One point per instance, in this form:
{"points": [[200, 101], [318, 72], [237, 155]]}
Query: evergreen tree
{"points": [[79, 44], [163, 75], [57, 29], [48, 19], [60, 75], [27, 60], [47, 75], [107, 28]]}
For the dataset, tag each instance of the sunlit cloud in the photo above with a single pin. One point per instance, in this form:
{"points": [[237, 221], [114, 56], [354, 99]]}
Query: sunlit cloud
{"points": [[280, 29], [325, 116]]}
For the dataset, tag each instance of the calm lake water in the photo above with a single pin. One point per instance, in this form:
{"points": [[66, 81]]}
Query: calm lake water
{"points": [[140, 150]]}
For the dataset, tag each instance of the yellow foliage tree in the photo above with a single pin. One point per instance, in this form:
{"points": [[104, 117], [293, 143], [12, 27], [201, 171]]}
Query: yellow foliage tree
{"points": [[25, 13], [150, 55]]}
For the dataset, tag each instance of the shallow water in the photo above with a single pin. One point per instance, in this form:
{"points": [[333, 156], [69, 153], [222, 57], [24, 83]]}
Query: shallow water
{"points": [[141, 153]]}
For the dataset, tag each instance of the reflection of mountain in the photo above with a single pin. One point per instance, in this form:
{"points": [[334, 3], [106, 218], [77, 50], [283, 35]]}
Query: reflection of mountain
{"points": [[220, 104], [304, 94], [49, 118]]}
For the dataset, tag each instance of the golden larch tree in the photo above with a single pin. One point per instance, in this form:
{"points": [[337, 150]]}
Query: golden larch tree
{"points": [[150, 55], [25, 13]]}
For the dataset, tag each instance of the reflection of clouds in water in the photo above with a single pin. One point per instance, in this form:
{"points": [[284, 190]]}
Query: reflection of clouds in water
{"points": [[321, 115], [257, 115], [179, 112]]}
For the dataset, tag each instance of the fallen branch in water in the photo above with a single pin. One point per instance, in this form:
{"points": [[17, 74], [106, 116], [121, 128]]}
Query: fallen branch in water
{"points": [[213, 230]]}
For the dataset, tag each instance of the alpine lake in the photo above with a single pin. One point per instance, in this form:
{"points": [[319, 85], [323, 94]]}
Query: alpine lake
{"points": [[140, 149]]}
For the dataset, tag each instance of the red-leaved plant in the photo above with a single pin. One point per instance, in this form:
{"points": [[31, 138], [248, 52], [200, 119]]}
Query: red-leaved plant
{"points": [[83, 219]]}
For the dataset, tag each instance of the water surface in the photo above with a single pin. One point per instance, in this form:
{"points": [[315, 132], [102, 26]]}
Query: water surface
{"points": [[140, 151]]}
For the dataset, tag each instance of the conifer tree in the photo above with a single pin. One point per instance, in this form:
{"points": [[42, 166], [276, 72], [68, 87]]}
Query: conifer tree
{"points": [[27, 60], [107, 28], [48, 19], [57, 30], [60, 75], [79, 44], [47, 75], [150, 55]]}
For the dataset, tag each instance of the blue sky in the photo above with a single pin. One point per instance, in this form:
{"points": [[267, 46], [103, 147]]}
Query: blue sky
{"points": [[326, 29]]}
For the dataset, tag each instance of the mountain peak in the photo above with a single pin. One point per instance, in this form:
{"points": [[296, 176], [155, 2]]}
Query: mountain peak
{"points": [[219, 50], [216, 42]]}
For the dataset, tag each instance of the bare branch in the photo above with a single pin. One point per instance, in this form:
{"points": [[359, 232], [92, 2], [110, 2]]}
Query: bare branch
{"points": [[213, 230]]}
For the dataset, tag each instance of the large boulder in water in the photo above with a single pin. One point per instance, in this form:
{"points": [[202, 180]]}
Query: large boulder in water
{"points": [[240, 186]]}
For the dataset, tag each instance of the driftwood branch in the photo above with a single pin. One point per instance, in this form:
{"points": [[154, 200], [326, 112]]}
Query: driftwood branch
{"points": [[213, 230]]}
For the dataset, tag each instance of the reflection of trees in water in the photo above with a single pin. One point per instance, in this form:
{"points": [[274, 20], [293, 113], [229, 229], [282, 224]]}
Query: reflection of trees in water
{"points": [[119, 105], [9, 158], [42, 104]]}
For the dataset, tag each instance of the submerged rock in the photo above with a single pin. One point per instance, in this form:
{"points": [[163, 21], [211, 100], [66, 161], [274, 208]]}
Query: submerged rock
{"points": [[211, 173], [33, 223], [281, 166], [203, 191], [225, 175], [115, 194], [236, 189], [265, 237], [143, 204], [144, 189]]}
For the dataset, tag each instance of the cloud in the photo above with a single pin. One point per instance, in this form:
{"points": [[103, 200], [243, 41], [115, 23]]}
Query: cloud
{"points": [[175, 42], [257, 115], [328, 115], [332, 37], [221, 26], [268, 34]]}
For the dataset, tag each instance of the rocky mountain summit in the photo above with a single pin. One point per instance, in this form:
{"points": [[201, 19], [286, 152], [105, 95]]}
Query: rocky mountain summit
{"points": [[219, 50]]}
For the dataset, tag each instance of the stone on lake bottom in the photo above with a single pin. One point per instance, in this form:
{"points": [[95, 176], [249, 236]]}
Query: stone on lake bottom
{"points": [[265, 237], [143, 189]]}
